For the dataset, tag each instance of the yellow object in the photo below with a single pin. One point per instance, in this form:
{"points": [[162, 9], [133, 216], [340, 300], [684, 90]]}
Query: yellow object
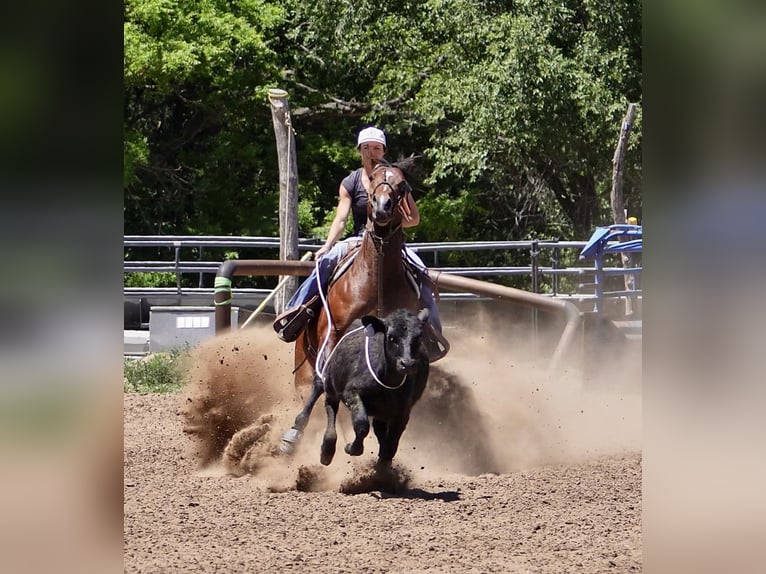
{"points": [[633, 220]]}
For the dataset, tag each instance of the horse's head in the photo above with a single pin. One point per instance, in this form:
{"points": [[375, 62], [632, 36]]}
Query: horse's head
{"points": [[388, 188]]}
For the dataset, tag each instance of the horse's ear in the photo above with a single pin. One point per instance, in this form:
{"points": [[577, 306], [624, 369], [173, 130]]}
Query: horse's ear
{"points": [[423, 315], [373, 323]]}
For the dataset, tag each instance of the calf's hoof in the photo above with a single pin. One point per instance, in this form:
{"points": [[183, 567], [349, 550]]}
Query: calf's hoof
{"points": [[289, 441], [354, 450], [327, 453]]}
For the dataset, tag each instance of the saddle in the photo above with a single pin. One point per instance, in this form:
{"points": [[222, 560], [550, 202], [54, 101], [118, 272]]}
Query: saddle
{"points": [[291, 322]]}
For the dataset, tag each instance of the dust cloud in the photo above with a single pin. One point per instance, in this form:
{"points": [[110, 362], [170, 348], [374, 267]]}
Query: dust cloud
{"points": [[489, 408]]}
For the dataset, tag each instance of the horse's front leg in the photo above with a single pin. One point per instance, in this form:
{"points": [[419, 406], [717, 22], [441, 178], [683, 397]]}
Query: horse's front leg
{"points": [[361, 425], [291, 437], [330, 434]]}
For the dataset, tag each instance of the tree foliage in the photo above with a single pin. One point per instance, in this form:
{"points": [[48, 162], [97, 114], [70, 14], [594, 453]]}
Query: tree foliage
{"points": [[515, 106]]}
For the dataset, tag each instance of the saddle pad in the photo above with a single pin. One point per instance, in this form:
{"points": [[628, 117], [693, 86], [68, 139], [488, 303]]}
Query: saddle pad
{"points": [[345, 263]]}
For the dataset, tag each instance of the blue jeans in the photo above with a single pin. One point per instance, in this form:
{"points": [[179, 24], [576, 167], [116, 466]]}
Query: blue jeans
{"points": [[326, 265], [329, 261]]}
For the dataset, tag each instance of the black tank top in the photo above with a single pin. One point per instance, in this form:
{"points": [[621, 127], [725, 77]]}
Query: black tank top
{"points": [[355, 187]]}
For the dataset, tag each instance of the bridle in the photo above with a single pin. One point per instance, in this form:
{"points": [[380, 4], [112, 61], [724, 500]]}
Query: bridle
{"points": [[397, 199], [379, 240]]}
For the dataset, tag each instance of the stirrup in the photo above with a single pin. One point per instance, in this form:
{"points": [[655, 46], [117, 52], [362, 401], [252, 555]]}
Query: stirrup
{"points": [[290, 323], [436, 345]]}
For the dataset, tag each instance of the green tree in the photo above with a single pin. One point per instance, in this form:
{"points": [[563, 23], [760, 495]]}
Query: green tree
{"points": [[515, 107], [199, 153]]}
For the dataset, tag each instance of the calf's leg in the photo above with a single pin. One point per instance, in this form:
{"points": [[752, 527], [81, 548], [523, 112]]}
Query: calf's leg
{"points": [[360, 423], [330, 434], [393, 434], [380, 426]]}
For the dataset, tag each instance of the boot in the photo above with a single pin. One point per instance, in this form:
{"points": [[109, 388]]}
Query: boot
{"points": [[436, 345], [290, 323]]}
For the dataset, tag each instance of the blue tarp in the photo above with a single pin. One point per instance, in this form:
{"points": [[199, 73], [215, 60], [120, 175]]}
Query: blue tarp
{"points": [[598, 244]]}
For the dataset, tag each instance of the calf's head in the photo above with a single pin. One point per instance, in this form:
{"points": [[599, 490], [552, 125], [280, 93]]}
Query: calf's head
{"points": [[403, 330]]}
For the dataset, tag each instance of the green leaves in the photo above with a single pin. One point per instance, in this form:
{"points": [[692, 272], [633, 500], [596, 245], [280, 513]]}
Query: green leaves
{"points": [[516, 107], [199, 150]]}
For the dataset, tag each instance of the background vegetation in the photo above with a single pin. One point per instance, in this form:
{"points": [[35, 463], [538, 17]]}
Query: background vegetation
{"points": [[157, 372], [515, 107]]}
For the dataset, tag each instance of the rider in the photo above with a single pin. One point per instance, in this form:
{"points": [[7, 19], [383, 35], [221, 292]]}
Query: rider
{"points": [[352, 199]]}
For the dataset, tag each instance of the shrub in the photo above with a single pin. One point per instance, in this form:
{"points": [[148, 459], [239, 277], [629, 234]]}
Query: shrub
{"points": [[156, 373]]}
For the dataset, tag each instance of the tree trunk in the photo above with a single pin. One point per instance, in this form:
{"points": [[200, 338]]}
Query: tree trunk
{"points": [[288, 190], [616, 198]]}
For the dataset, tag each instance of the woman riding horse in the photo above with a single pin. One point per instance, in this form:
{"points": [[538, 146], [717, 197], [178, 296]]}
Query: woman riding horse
{"points": [[375, 283], [352, 198]]}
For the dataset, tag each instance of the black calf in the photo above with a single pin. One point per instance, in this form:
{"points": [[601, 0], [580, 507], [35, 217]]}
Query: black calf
{"points": [[379, 372]]}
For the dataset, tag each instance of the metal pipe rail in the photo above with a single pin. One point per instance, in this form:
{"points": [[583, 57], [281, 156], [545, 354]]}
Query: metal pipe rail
{"points": [[213, 266], [535, 270], [223, 295]]}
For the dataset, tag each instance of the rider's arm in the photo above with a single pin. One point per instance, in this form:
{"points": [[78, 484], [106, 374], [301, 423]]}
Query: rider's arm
{"points": [[339, 223], [412, 218]]}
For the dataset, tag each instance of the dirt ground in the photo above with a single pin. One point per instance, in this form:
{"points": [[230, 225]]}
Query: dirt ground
{"points": [[502, 469]]}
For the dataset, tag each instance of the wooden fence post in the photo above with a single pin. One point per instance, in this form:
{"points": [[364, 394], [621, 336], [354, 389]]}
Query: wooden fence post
{"points": [[288, 190], [616, 198]]}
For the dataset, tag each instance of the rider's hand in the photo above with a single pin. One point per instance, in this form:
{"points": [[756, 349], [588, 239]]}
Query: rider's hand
{"points": [[404, 209], [321, 251]]}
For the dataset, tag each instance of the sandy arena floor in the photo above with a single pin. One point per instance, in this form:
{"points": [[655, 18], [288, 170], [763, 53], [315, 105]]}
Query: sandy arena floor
{"points": [[501, 469]]}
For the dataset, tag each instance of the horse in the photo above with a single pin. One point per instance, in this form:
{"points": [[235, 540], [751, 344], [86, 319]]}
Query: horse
{"points": [[375, 283]]}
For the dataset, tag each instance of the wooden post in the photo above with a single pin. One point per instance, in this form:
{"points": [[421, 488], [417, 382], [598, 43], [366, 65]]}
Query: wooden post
{"points": [[288, 190], [616, 198]]}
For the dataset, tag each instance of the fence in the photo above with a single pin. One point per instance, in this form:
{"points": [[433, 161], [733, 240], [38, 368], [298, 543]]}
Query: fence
{"points": [[543, 273]]}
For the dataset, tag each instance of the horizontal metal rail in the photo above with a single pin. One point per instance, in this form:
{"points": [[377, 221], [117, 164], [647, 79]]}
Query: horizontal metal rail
{"points": [[535, 270], [223, 295], [212, 267], [314, 244]]}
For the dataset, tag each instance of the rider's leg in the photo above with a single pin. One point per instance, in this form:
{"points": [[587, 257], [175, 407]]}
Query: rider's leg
{"points": [[436, 344], [426, 293], [304, 304], [309, 286], [429, 302], [305, 291]]}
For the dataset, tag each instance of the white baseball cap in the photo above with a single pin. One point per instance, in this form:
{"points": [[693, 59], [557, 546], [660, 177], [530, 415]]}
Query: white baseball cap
{"points": [[371, 135]]}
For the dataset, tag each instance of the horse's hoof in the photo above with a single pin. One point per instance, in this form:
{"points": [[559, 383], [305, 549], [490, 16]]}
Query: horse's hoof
{"points": [[289, 441]]}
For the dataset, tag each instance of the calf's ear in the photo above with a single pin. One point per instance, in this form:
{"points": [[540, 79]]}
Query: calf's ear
{"points": [[423, 315], [373, 323]]}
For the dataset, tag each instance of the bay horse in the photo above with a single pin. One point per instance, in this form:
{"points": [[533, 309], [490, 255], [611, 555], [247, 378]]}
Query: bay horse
{"points": [[376, 283]]}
